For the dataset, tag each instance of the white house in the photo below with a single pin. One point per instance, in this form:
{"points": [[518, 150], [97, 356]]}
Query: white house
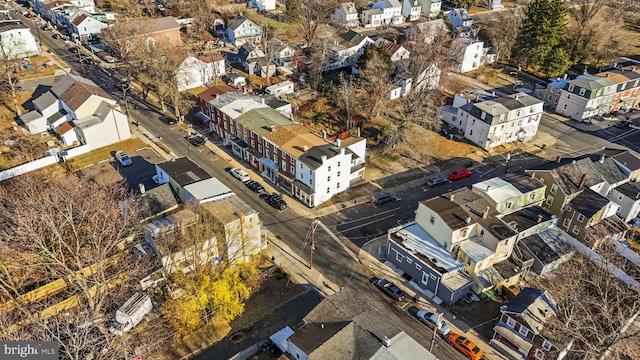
{"points": [[402, 84], [345, 15], [262, 5], [469, 54], [431, 8], [395, 51], [463, 23], [241, 30], [627, 196], [411, 10], [391, 11], [17, 41], [199, 71], [284, 54], [585, 97], [85, 27], [348, 50], [496, 121], [372, 18], [282, 88]]}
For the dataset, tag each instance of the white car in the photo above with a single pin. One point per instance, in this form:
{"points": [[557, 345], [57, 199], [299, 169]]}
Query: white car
{"points": [[240, 174], [122, 158]]}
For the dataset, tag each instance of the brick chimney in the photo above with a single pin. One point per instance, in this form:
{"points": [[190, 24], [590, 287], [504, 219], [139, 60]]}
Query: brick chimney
{"points": [[539, 219], [485, 213], [582, 179]]}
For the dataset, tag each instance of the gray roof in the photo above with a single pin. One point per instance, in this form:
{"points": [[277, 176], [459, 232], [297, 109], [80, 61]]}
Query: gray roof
{"points": [[523, 182], [274, 102], [592, 82], [353, 37], [45, 100], [158, 200], [534, 306], [313, 157], [30, 116], [261, 120], [609, 170], [588, 202], [450, 212], [526, 218], [630, 190], [628, 160], [568, 174], [236, 22], [547, 246], [183, 171], [57, 116]]}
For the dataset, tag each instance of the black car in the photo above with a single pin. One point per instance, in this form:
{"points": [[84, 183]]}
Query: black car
{"points": [[197, 140], [88, 60], [168, 120], [623, 124], [275, 200], [383, 198], [56, 36], [74, 50], [437, 181], [388, 287], [255, 186]]}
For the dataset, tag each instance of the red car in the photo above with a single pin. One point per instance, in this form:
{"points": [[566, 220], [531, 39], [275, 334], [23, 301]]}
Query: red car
{"points": [[459, 174], [28, 16]]}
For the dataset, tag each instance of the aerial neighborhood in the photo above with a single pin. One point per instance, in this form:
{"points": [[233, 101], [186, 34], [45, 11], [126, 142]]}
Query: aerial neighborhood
{"points": [[288, 179]]}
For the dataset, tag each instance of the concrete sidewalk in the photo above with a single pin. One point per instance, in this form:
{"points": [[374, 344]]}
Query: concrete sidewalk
{"points": [[369, 257]]}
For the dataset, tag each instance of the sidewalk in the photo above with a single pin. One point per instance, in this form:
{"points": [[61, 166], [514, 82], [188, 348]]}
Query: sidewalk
{"points": [[369, 257]]}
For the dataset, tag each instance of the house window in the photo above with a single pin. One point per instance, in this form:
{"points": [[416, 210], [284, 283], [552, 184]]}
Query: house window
{"points": [[566, 222], [338, 164], [293, 161], [432, 220], [328, 178], [329, 168], [620, 196], [328, 190], [425, 279], [509, 204], [338, 174], [470, 132], [338, 186], [564, 107], [539, 355], [533, 196], [284, 166], [580, 218], [409, 261], [546, 345], [463, 232], [570, 88], [523, 331], [399, 257], [576, 229], [549, 200], [482, 233], [554, 189], [418, 267], [511, 323], [582, 92]]}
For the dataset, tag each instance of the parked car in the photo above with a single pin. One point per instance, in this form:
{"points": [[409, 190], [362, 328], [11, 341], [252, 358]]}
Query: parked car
{"points": [[122, 158], [240, 174], [255, 186], [197, 140], [623, 124], [430, 319], [74, 49], [28, 15], [437, 180], [56, 36], [165, 119], [275, 200], [465, 346], [388, 287], [383, 198], [88, 60], [459, 174]]}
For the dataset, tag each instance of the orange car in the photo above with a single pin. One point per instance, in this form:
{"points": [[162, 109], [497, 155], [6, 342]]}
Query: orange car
{"points": [[465, 346]]}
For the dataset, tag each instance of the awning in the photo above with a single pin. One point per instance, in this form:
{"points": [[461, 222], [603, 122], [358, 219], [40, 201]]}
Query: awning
{"points": [[243, 144], [513, 337], [203, 117], [269, 163]]}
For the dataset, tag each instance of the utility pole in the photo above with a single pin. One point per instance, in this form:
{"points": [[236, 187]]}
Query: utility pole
{"points": [[314, 225], [508, 158], [435, 329]]}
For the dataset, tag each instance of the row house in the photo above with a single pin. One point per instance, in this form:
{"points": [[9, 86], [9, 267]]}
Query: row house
{"points": [[391, 11], [431, 8], [347, 50], [593, 95], [495, 121], [372, 18], [461, 241], [577, 193], [345, 15], [311, 168], [519, 332], [411, 10]]}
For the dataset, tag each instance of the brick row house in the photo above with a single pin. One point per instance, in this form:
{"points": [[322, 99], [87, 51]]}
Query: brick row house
{"points": [[310, 167]]}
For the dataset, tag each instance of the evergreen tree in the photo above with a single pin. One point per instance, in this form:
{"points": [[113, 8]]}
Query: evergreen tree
{"points": [[556, 62], [542, 29], [467, 4]]}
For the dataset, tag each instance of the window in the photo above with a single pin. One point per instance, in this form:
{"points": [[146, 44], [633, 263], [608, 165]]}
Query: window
{"points": [[620, 196], [284, 166], [409, 261], [338, 163], [571, 87], [463, 232], [582, 92], [329, 168], [568, 96], [418, 267], [328, 178], [510, 322], [546, 345], [338, 174], [338, 186], [509, 204], [554, 189], [432, 220], [399, 257], [566, 222], [328, 190], [564, 107], [533, 196], [482, 233], [549, 200], [293, 160], [539, 355], [523, 331], [541, 180], [470, 132], [576, 229], [473, 122], [425, 278], [580, 218]]}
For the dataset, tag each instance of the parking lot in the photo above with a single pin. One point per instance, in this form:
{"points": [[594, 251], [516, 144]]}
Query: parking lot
{"points": [[139, 172]]}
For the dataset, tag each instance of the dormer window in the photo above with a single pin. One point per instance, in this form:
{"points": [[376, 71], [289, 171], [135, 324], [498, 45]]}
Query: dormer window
{"points": [[570, 88], [582, 92]]}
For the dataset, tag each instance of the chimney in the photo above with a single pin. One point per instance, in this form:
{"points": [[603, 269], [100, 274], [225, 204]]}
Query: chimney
{"points": [[323, 158], [324, 135], [539, 219], [338, 141], [467, 219], [272, 128], [607, 75], [582, 179], [485, 213], [564, 76], [638, 195], [488, 188], [601, 159], [262, 101], [558, 159], [450, 196], [305, 148], [243, 110], [141, 187]]}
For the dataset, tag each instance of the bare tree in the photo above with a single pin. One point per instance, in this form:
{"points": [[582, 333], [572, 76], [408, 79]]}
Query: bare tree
{"points": [[502, 33], [320, 54], [9, 51], [270, 45], [313, 13], [595, 307], [582, 33], [375, 75], [345, 96], [127, 40]]}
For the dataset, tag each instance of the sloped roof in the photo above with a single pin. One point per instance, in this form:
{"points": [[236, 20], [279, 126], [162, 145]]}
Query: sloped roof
{"points": [[64, 128], [628, 160], [313, 157], [592, 82], [158, 200], [80, 19], [569, 173], [588, 202], [389, 47], [630, 190], [45, 100], [262, 120], [523, 182], [237, 21], [215, 91], [534, 306], [353, 37], [74, 90]]}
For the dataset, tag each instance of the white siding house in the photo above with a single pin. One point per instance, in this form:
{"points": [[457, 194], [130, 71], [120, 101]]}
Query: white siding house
{"points": [[345, 15], [372, 18], [195, 72], [241, 30], [263, 5], [431, 8], [85, 26], [411, 10], [17, 41], [391, 11], [470, 54]]}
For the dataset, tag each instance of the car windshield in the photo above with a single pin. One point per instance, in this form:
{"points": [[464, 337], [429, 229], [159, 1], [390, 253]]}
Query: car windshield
{"points": [[475, 349]]}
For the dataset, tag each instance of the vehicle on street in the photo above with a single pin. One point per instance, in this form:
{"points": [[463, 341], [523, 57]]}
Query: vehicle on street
{"points": [[28, 15], [88, 60], [459, 174], [465, 346], [122, 158], [166, 119], [274, 200], [240, 174], [383, 198], [623, 124], [74, 50], [430, 319], [197, 140], [437, 180], [388, 287], [255, 186], [56, 36]]}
